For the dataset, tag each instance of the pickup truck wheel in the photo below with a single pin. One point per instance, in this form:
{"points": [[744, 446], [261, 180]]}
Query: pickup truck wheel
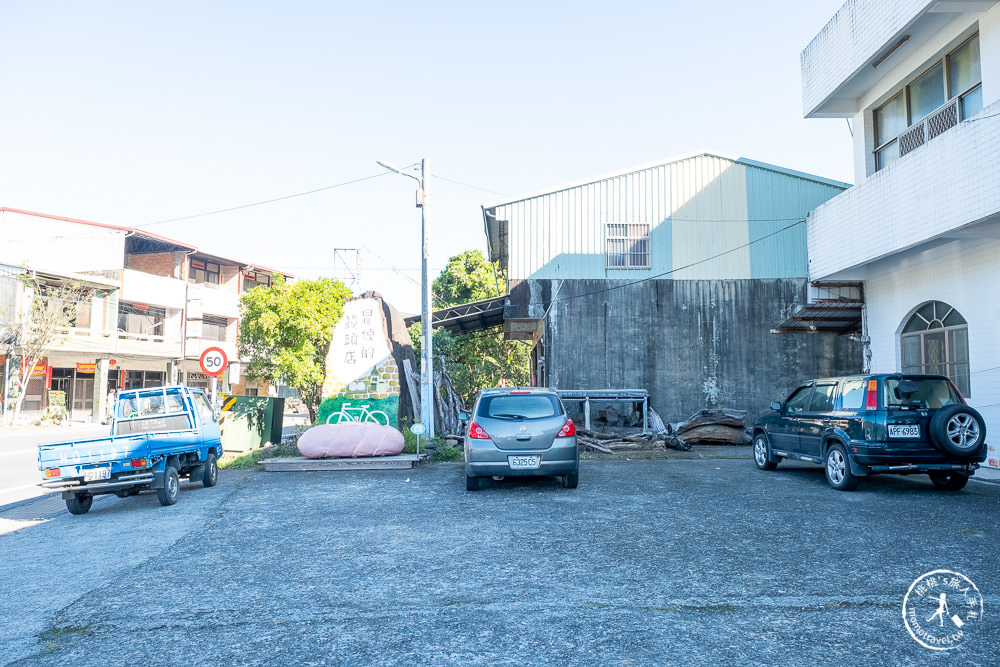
{"points": [[79, 503], [838, 469], [211, 477], [171, 487], [946, 482], [762, 453]]}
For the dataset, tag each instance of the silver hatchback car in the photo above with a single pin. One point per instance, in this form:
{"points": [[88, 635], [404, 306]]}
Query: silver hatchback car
{"points": [[519, 432]]}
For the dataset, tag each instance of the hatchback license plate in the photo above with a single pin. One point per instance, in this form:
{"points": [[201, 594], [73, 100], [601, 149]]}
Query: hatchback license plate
{"points": [[95, 474], [904, 431], [524, 462]]}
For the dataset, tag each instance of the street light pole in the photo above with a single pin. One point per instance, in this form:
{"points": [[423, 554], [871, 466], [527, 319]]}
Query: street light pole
{"points": [[426, 325], [426, 346]]}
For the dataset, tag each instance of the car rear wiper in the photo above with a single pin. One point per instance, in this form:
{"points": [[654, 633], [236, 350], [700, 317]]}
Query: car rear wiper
{"points": [[509, 416]]}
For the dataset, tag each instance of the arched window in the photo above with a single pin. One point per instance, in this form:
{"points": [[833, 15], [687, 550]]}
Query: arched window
{"points": [[936, 340]]}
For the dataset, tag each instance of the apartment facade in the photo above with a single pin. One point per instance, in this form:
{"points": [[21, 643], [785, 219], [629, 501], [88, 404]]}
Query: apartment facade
{"points": [[157, 305], [919, 81]]}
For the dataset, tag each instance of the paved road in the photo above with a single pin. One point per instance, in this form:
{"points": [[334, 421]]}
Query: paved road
{"points": [[648, 562], [19, 474]]}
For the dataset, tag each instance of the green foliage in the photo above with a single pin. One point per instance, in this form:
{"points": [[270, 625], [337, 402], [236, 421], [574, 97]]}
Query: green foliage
{"points": [[478, 360], [286, 332], [447, 453], [256, 456]]}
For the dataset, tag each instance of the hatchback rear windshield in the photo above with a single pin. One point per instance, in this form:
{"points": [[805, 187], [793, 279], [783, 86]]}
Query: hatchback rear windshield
{"points": [[926, 393], [520, 406]]}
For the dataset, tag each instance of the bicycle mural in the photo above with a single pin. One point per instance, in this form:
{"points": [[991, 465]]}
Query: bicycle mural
{"points": [[362, 378], [357, 414]]}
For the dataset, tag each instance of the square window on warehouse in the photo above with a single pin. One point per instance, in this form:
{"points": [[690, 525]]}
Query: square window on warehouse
{"points": [[627, 245]]}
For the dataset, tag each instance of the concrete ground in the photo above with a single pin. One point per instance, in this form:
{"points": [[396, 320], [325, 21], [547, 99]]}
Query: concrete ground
{"points": [[702, 560]]}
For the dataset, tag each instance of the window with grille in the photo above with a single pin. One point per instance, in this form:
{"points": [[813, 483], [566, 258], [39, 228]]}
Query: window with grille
{"points": [[627, 245], [214, 328], [935, 340], [949, 91]]}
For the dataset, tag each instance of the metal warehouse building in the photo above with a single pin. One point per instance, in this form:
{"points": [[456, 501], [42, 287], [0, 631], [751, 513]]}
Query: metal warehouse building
{"points": [[672, 277]]}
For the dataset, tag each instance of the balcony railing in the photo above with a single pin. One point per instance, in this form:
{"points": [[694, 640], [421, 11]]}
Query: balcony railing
{"points": [[934, 124]]}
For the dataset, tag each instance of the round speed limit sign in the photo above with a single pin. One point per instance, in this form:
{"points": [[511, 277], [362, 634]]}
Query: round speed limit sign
{"points": [[213, 361]]}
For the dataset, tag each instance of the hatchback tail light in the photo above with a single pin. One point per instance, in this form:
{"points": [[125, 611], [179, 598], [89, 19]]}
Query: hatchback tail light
{"points": [[568, 429], [476, 432]]}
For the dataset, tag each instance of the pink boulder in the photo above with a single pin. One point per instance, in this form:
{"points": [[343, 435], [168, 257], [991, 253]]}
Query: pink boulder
{"points": [[350, 439]]}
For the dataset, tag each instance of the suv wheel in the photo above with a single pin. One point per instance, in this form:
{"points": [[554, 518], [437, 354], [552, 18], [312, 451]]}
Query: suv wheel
{"points": [[762, 453], [838, 469], [946, 482], [958, 430]]}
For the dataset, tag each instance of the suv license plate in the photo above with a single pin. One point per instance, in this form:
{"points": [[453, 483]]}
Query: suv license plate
{"points": [[95, 474], [904, 431], [524, 462]]}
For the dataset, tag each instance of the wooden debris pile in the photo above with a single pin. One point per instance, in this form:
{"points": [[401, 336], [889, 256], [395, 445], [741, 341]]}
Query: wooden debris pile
{"points": [[715, 427], [611, 443]]}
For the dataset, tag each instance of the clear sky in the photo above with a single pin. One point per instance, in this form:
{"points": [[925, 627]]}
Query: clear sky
{"points": [[131, 113]]}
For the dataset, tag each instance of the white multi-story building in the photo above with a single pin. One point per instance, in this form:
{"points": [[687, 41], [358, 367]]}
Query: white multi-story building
{"points": [[919, 81], [157, 305]]}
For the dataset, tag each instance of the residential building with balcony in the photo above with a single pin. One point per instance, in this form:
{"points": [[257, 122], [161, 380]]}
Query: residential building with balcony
{"points": [[159, 305], [919, 235]]}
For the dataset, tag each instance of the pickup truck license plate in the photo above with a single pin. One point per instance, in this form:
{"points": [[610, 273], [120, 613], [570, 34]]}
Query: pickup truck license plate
{"points": [[904, 431], [95, 474], [524, 462]]}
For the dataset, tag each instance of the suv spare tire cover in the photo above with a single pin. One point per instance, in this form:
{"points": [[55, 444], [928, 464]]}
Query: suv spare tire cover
{"points": [[939, 430]]}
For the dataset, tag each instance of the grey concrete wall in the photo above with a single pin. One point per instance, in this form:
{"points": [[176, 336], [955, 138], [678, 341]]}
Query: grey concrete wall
{"points": [[691, 344]]}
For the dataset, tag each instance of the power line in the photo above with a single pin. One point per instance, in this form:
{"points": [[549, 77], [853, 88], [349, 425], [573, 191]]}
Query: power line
{"points": [[261, 203], [438, 177]]}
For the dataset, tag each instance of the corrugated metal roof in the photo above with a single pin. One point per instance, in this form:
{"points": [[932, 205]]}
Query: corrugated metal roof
{"points": [[706, 217]]}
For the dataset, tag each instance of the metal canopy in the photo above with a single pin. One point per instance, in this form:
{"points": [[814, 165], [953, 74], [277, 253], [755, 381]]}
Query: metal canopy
{"points": [[840, 317], [467, 317]]}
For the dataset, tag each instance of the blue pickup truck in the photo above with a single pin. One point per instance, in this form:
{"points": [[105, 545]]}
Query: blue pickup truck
{"points": [[158, 436]]}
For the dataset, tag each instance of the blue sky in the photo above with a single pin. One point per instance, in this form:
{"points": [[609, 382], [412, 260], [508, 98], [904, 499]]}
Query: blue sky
{"points": [[132, 113]]}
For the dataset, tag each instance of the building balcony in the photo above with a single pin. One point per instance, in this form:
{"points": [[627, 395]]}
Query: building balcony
{"points": [[946, 188], [98, 342], [205, 300], [147, 288], [195, 347]]}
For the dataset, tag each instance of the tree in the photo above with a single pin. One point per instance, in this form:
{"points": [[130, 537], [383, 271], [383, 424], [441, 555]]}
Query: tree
{"points": [[475, 360], [34, 325], [286, 333]]}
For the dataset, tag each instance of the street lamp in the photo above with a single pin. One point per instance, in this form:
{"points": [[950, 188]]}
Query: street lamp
{"points": [[426, 351]]}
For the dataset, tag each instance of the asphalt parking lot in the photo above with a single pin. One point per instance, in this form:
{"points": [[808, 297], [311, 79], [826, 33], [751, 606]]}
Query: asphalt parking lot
{"points": [[704, 561]]}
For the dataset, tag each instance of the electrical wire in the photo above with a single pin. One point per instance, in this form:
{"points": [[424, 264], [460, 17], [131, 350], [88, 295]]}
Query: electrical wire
{"points": [[681, 268], [261, 203]]}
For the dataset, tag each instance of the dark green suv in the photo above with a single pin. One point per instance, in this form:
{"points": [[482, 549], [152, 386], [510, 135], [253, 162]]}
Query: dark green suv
{"points": [[869, 424]]}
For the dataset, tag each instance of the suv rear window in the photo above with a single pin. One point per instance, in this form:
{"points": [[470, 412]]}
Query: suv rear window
{"points": [[922, 393], [526, 406]]}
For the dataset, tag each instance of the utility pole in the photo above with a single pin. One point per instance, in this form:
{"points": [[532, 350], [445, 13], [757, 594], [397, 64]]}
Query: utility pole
{"points": [[426, 325]]}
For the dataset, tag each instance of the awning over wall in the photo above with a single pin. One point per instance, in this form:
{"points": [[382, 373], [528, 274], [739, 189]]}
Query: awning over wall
{"points": [[840, 317], [467, 317]]}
